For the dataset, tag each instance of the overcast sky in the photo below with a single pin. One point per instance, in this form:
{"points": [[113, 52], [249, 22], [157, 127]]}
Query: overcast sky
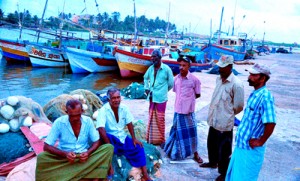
{"points": [[279, 19]]}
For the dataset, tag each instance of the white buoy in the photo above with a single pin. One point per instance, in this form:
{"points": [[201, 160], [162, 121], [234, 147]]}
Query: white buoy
{"points": [[7, 111], [95, 115], [12, 100], [81, 97], [85, 107], [76, 96], [27, 121], [14, 125], [4, 128]]}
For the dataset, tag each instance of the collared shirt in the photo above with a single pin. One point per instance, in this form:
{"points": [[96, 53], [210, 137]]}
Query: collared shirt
{"points": [[227, 101], [163, 82], [259, 111], [62, 130], [186, 89], [106, 119]]}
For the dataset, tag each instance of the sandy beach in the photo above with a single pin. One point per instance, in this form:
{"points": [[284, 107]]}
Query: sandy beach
{"points": [[282, 158]]}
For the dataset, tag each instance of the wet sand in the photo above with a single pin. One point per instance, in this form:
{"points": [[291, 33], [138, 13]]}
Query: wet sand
{"points": [[282, 158]]}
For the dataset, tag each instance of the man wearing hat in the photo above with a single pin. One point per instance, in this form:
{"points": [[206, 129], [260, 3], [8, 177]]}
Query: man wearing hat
{"points": [[227, 101], [256, 127], [158, 80]]}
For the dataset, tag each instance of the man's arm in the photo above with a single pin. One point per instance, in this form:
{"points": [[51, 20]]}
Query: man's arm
{"points": [[55, 151], [103, 135], [146, 80], [269, 127], [170, 79], [238, 99], [131, 131]]}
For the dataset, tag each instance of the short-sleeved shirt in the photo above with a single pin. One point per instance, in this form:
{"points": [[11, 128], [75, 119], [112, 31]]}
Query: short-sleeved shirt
{"points": [[107, 120], [62, 131], [259, 111], [163, 82], [186, 89], [227, 101]]}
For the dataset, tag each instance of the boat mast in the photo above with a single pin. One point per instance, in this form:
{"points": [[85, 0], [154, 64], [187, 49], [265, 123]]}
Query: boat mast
{"points": [[220, 27], [135, 28], [41, 22], [167, 29], [232, 33]]}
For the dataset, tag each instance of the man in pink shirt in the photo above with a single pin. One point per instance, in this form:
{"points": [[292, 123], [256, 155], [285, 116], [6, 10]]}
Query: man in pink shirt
{"points": [[182, 141]]}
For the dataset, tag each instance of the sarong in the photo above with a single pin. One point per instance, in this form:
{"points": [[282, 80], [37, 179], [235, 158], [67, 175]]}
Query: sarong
{"points": [[182, 141], [245, 164], [156, 124], [51, 167], [134, 154]]}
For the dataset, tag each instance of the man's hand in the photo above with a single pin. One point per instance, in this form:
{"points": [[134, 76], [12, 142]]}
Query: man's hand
{"points": [[136, 141], [254, 142], [71, 156], [147, 92], [83, 157]]}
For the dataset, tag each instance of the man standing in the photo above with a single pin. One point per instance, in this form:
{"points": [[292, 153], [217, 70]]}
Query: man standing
{"points": [[111, 120], [183, 135], [73, 159], [158, 80], [227, 101], [256, 127]]}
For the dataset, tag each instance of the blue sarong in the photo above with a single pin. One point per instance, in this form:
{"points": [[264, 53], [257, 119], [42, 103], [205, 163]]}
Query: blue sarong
{"points": [[182, 141], [134, 154], [245, 164]]}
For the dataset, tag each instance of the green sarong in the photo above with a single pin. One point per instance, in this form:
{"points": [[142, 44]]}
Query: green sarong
{"points": [[51, 167]]}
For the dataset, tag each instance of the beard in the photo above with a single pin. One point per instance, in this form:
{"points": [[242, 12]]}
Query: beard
{"points": [[251, 83]]}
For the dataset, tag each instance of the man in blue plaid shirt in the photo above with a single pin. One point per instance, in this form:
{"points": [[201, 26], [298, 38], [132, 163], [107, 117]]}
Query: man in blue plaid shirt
{"points": [[256, 127]]}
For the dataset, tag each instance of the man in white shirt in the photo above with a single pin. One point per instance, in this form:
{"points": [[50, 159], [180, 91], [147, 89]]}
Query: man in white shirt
{"points": [[111, 120]]}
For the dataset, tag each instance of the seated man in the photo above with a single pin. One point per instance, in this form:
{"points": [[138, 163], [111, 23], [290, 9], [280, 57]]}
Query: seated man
{"points": [[111, 120], [74, 158]]}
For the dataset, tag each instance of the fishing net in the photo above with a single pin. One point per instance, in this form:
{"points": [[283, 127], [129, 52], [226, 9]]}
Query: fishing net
{"points": [[124, 171], [13, 146], [57, 106], [134, 91]]}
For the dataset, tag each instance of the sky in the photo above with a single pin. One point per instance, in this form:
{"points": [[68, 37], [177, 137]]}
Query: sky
{"points": [[278, 19]]}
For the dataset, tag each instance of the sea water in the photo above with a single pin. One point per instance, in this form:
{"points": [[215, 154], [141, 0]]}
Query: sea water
{"points": [[44, 84]]}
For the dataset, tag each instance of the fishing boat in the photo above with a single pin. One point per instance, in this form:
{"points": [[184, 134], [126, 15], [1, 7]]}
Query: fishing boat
{"points": [[14, 52], [46, 56], [227, 45], [84, 61], [135, 65]]}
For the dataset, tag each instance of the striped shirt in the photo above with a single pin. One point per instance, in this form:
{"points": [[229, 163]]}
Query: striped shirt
{"points": [[62, 130], [106, 118], [160, 85], [259, 111], [186, 89]]}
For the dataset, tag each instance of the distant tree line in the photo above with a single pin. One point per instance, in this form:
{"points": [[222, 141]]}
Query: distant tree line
{"points": [[99, 21]]}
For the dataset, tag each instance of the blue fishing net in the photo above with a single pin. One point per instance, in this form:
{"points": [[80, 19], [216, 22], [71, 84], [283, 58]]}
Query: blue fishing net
{"points": [[12, 146], [134, 91]]}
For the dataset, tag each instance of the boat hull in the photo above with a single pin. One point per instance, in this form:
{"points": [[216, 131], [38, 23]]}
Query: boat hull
{"points": [[14, 53], [43, 56], [216, 51], [83, 61], [132, 64]]}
